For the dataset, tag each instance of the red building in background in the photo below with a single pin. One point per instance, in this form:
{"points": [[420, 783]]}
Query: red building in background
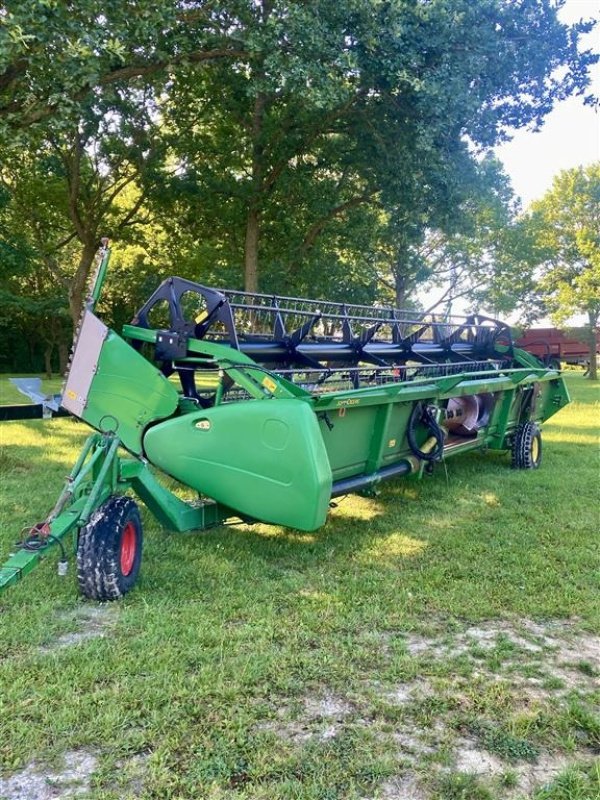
{"points": [[553, 345]]}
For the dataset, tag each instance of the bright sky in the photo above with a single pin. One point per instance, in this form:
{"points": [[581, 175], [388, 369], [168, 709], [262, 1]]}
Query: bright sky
{"points": [[570, 135]]}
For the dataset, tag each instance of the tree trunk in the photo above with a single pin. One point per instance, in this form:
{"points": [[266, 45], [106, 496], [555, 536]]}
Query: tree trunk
{"points": [[401, 286], [79, 283], [63, 357], [253, 217], [593, 371], [254, 204], [48, 350], [251, 250]]}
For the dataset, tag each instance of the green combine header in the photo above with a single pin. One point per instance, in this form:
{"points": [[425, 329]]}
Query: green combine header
{"points": [[268, 407]]}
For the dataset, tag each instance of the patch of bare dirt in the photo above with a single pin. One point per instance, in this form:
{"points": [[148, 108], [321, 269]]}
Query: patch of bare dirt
{"points": [[330, 732], [36, 783], [93, 621], [413, 743], [417, 645], [534, 662], [321, 718], [405, 787], [286, 730], [327, 706], [530, 776], [411, 692], [482, 637], [570, 677], [470, 758], [133, 774], [558, 647]]}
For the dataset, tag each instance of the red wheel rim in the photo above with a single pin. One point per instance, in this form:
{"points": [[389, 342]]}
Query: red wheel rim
{"points": [[128, 548]]}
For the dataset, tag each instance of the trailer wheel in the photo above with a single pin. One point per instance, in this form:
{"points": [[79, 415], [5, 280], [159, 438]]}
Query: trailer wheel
{"points": [[527, 446], [109, 550]]}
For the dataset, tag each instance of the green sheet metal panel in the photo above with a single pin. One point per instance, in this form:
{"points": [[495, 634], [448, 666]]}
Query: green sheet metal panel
{"points": [[347, 434], [395, 446], [552, 396], [351, 436], [127, 393], [265, 459]]}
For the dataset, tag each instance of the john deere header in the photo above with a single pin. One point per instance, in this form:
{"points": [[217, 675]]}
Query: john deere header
{"points": [[268, 407]]}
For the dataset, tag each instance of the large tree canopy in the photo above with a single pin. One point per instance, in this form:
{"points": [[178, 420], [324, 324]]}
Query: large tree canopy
{"points": [[293, 146], [345, 106], [54, 52], [550, 256]]}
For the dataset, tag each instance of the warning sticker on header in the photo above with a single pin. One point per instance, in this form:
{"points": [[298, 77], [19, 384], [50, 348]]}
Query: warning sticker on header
{"points": [[269, 384]]}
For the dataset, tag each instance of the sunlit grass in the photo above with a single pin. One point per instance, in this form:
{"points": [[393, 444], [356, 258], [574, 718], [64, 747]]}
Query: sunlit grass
{"points": [[396, 545], [237, 626]]}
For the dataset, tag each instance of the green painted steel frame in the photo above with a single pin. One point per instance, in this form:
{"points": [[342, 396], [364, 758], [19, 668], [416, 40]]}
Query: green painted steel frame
{"points": [[99, 472]]}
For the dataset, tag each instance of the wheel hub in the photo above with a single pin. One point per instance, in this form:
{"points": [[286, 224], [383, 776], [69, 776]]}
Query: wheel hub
{"points": [[128, 548]]}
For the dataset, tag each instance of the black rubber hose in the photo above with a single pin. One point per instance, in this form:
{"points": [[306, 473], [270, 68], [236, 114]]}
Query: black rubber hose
{"points": [[421, 413]]}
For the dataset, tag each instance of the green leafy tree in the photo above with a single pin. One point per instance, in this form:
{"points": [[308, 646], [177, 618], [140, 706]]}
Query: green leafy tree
{"points": [[57, 54], [341, 107], [66, 189], [309, 141], [462, 256], [34, 317], [565, 225]]}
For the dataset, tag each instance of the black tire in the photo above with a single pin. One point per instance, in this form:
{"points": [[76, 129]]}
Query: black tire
{"points": [[109, 550], [527, 446]]}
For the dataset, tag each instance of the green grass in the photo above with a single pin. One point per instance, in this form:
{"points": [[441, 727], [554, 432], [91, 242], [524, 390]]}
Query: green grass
{"points": [[576, 783], [213, 668]]}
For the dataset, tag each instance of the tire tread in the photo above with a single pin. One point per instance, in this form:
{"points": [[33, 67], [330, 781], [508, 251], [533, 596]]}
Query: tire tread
{"points": [[98, 550], [522, 446]]}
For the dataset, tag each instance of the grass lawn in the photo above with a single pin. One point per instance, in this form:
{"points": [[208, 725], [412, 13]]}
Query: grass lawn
{"points": [[440, 641]]}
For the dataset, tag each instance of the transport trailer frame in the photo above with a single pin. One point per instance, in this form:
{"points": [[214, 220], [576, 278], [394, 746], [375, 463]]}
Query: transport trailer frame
{"points": [[284, 404]]}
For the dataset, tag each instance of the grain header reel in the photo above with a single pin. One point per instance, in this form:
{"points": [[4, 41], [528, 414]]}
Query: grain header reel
{"points": [[267, 408]]}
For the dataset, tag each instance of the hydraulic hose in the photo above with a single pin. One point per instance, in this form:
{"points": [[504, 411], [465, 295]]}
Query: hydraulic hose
{"points": [[422, 413]]}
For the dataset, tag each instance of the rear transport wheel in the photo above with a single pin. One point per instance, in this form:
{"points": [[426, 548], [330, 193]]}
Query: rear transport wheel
{"points": [[527, 446], [109, 551]]}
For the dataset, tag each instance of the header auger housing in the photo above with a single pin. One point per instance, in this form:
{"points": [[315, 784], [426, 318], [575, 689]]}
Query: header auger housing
{"points": [[268, 407]]}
